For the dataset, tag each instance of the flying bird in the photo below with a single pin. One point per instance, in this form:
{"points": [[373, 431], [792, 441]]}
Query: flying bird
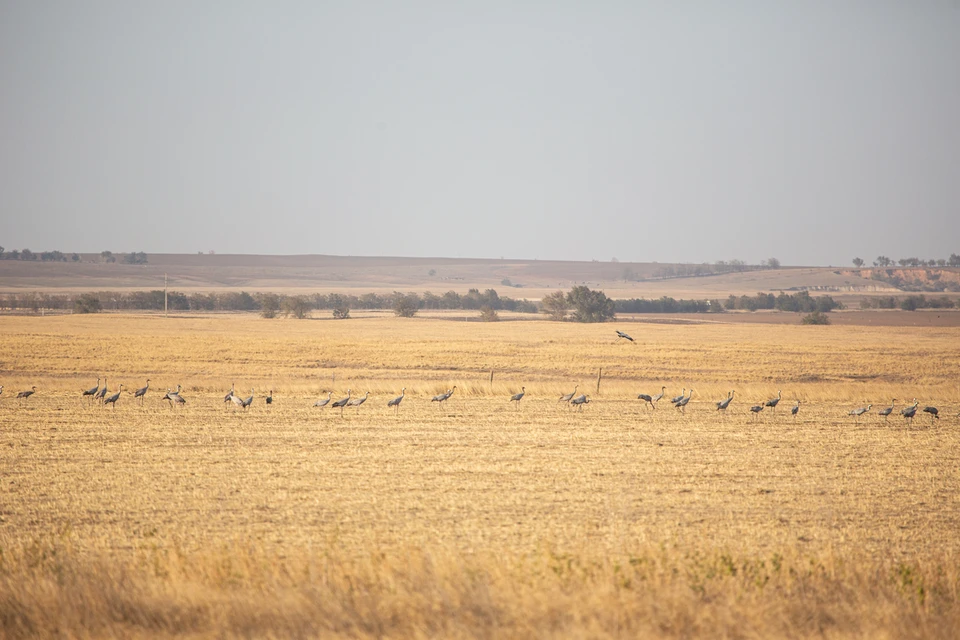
{"points": [[621, 334]]}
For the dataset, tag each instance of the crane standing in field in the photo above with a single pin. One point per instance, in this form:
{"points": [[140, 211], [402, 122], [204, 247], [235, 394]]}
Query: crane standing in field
{"points": [[342, 402], [886, 411], [652, 400], [227, 398], [679, 397], [322, 402], [856, 413], [723, 404], [517, 397], [249, 401], [567, 397], [113, 399], [909, 412], [795, 410], [395, 403], [270, 397], [443, 397], [23, 395], [142, 391], [100, 395], [91, 392], [756, 409], [773, 402], [579, 401], [171, 396], [356, 402], [933, 411], [683, 402]]}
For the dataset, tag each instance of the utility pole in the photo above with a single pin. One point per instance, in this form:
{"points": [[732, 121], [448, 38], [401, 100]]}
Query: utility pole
{"points": [[164, 295]]}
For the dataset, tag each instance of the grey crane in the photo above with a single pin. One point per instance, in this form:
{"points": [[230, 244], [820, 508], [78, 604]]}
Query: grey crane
{"points": [[443, 397], [100, 395], [23, 395], [171, 396], [113, 399], [249, 401], [342, 402], [723, 404], [142, 391], [859, 411], [395, 403], [356, 402], [579, 401], [795, 410], [322, 402], [683, 403], [756, 409], [517, 397], [93, 391], [229, 395], [679, 397], [270, 397], [567, 397], [179, 400], [651, 400], [933, 411], [773, 402], [621, 334], [237, 402], [886, 411], [909, 412]]}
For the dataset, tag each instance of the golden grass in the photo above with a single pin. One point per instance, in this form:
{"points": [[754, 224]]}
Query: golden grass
{"points": [[476, 518]]}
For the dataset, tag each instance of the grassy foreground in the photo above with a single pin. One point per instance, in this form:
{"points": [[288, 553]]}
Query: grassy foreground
{"points": [[476, 518]]}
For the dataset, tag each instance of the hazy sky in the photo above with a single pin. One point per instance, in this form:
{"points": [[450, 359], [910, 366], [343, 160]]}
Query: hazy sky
{"points": [[668, 131]]}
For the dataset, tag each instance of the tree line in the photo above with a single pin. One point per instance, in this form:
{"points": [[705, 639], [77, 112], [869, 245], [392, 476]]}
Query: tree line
{"points": [[909, 303], [136, 257], [884, 261], [580, 304]]}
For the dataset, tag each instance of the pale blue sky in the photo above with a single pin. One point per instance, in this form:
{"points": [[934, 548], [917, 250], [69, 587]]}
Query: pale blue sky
{"points": [[809, 131]]}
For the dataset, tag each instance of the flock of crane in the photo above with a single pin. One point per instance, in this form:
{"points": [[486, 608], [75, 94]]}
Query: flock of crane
{"points": [[99, 394]]}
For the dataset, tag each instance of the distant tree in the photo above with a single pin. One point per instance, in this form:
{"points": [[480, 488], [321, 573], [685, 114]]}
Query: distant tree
{"points": [[269, 305], [1, 252], [135, 258], [296, 306], [53, 256], [817, 317], [506, 282], [489, 314], [590, 306], [75, 257], [26, 254], [954, 260], [406, 305], [882, 261], [107, 256], [858, 262], [341, 313], [941, 262], [432, 272], [910, 303], [772, 263], [87, 303], [555, 305]]}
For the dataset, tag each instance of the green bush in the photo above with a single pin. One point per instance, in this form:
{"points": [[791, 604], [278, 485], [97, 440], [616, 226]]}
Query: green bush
{"points": [[817, 317]]}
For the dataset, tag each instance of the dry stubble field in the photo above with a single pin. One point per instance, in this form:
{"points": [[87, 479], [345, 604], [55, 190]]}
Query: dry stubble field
{"points": [[476, 518]]}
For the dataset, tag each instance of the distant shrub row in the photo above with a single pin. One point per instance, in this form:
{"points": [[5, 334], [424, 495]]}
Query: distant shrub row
{"points": [[138, 257], [910, 303]]}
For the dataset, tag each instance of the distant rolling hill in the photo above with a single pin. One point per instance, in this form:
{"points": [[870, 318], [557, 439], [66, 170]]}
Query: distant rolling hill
{"points": [[323, 274]]}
